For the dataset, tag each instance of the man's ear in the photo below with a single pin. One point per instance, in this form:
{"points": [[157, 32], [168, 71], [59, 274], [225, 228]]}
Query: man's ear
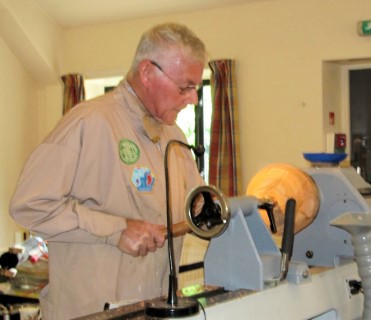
{"points": [[145, 72]]}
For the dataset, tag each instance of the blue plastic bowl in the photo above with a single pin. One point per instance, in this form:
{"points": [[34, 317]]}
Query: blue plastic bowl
{"points": [[325, 157]]}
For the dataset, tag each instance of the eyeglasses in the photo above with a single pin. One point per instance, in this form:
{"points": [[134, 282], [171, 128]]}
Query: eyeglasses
{"points": [[183, 90]]}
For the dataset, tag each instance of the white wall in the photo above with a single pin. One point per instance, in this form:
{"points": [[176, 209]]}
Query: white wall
{"points": [[30, 94], [280, 48], [18, 132]]}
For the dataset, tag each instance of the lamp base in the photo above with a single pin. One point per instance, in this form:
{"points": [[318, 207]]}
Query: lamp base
{"points": [[162, 309]]}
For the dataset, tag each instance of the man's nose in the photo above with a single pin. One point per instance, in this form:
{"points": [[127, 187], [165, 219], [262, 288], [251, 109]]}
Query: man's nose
{"points": [[193, 96]]}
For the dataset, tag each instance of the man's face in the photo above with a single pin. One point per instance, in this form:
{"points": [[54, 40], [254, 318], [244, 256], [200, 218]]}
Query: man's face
{"points": [[173, 86]]}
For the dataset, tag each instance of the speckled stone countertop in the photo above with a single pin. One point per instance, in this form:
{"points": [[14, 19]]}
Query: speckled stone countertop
{"points": [[206, 296]]}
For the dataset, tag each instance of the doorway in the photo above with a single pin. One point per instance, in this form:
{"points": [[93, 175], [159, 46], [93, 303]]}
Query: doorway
{"points": [[360, 121]]}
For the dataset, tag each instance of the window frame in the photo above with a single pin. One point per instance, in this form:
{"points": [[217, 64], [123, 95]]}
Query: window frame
{"points": [[199, 126]]}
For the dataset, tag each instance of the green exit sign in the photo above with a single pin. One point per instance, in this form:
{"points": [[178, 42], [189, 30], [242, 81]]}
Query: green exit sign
{"points": [[364, 28]]}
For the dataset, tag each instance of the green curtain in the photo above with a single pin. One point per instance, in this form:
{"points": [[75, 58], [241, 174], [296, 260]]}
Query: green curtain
{"points": [[225, 163]]}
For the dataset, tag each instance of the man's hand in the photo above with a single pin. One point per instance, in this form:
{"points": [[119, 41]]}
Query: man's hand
{"points": [[141, 237]]}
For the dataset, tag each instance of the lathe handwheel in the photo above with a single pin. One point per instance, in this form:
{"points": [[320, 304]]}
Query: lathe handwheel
{"points": [[207, 212]]}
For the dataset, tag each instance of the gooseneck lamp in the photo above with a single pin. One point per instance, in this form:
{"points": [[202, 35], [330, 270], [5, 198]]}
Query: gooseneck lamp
{"points": [[173, 307]]}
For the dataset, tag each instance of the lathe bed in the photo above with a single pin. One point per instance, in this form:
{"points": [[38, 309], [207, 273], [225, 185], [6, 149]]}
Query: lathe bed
{"points": [[326, 295]]}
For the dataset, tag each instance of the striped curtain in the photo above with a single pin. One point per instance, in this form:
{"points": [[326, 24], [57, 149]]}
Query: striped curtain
{"points": [[74, 91], [225, 163]]}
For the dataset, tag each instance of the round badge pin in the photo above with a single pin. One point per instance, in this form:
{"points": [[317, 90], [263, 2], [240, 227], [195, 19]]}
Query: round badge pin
{"points": [[129, 151]]}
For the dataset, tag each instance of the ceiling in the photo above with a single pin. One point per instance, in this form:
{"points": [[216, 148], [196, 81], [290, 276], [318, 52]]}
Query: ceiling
{"points": [[77, 13]]}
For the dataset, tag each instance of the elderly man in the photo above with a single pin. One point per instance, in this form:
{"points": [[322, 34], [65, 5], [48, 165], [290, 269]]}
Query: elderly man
{"points": [[95, 187]]}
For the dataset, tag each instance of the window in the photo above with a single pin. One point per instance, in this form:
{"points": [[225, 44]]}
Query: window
{"points": [[195, 121], [97, 87]]}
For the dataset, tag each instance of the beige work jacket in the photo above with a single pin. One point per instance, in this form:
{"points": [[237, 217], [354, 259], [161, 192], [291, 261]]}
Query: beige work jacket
{"points": [[96, 169]]}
